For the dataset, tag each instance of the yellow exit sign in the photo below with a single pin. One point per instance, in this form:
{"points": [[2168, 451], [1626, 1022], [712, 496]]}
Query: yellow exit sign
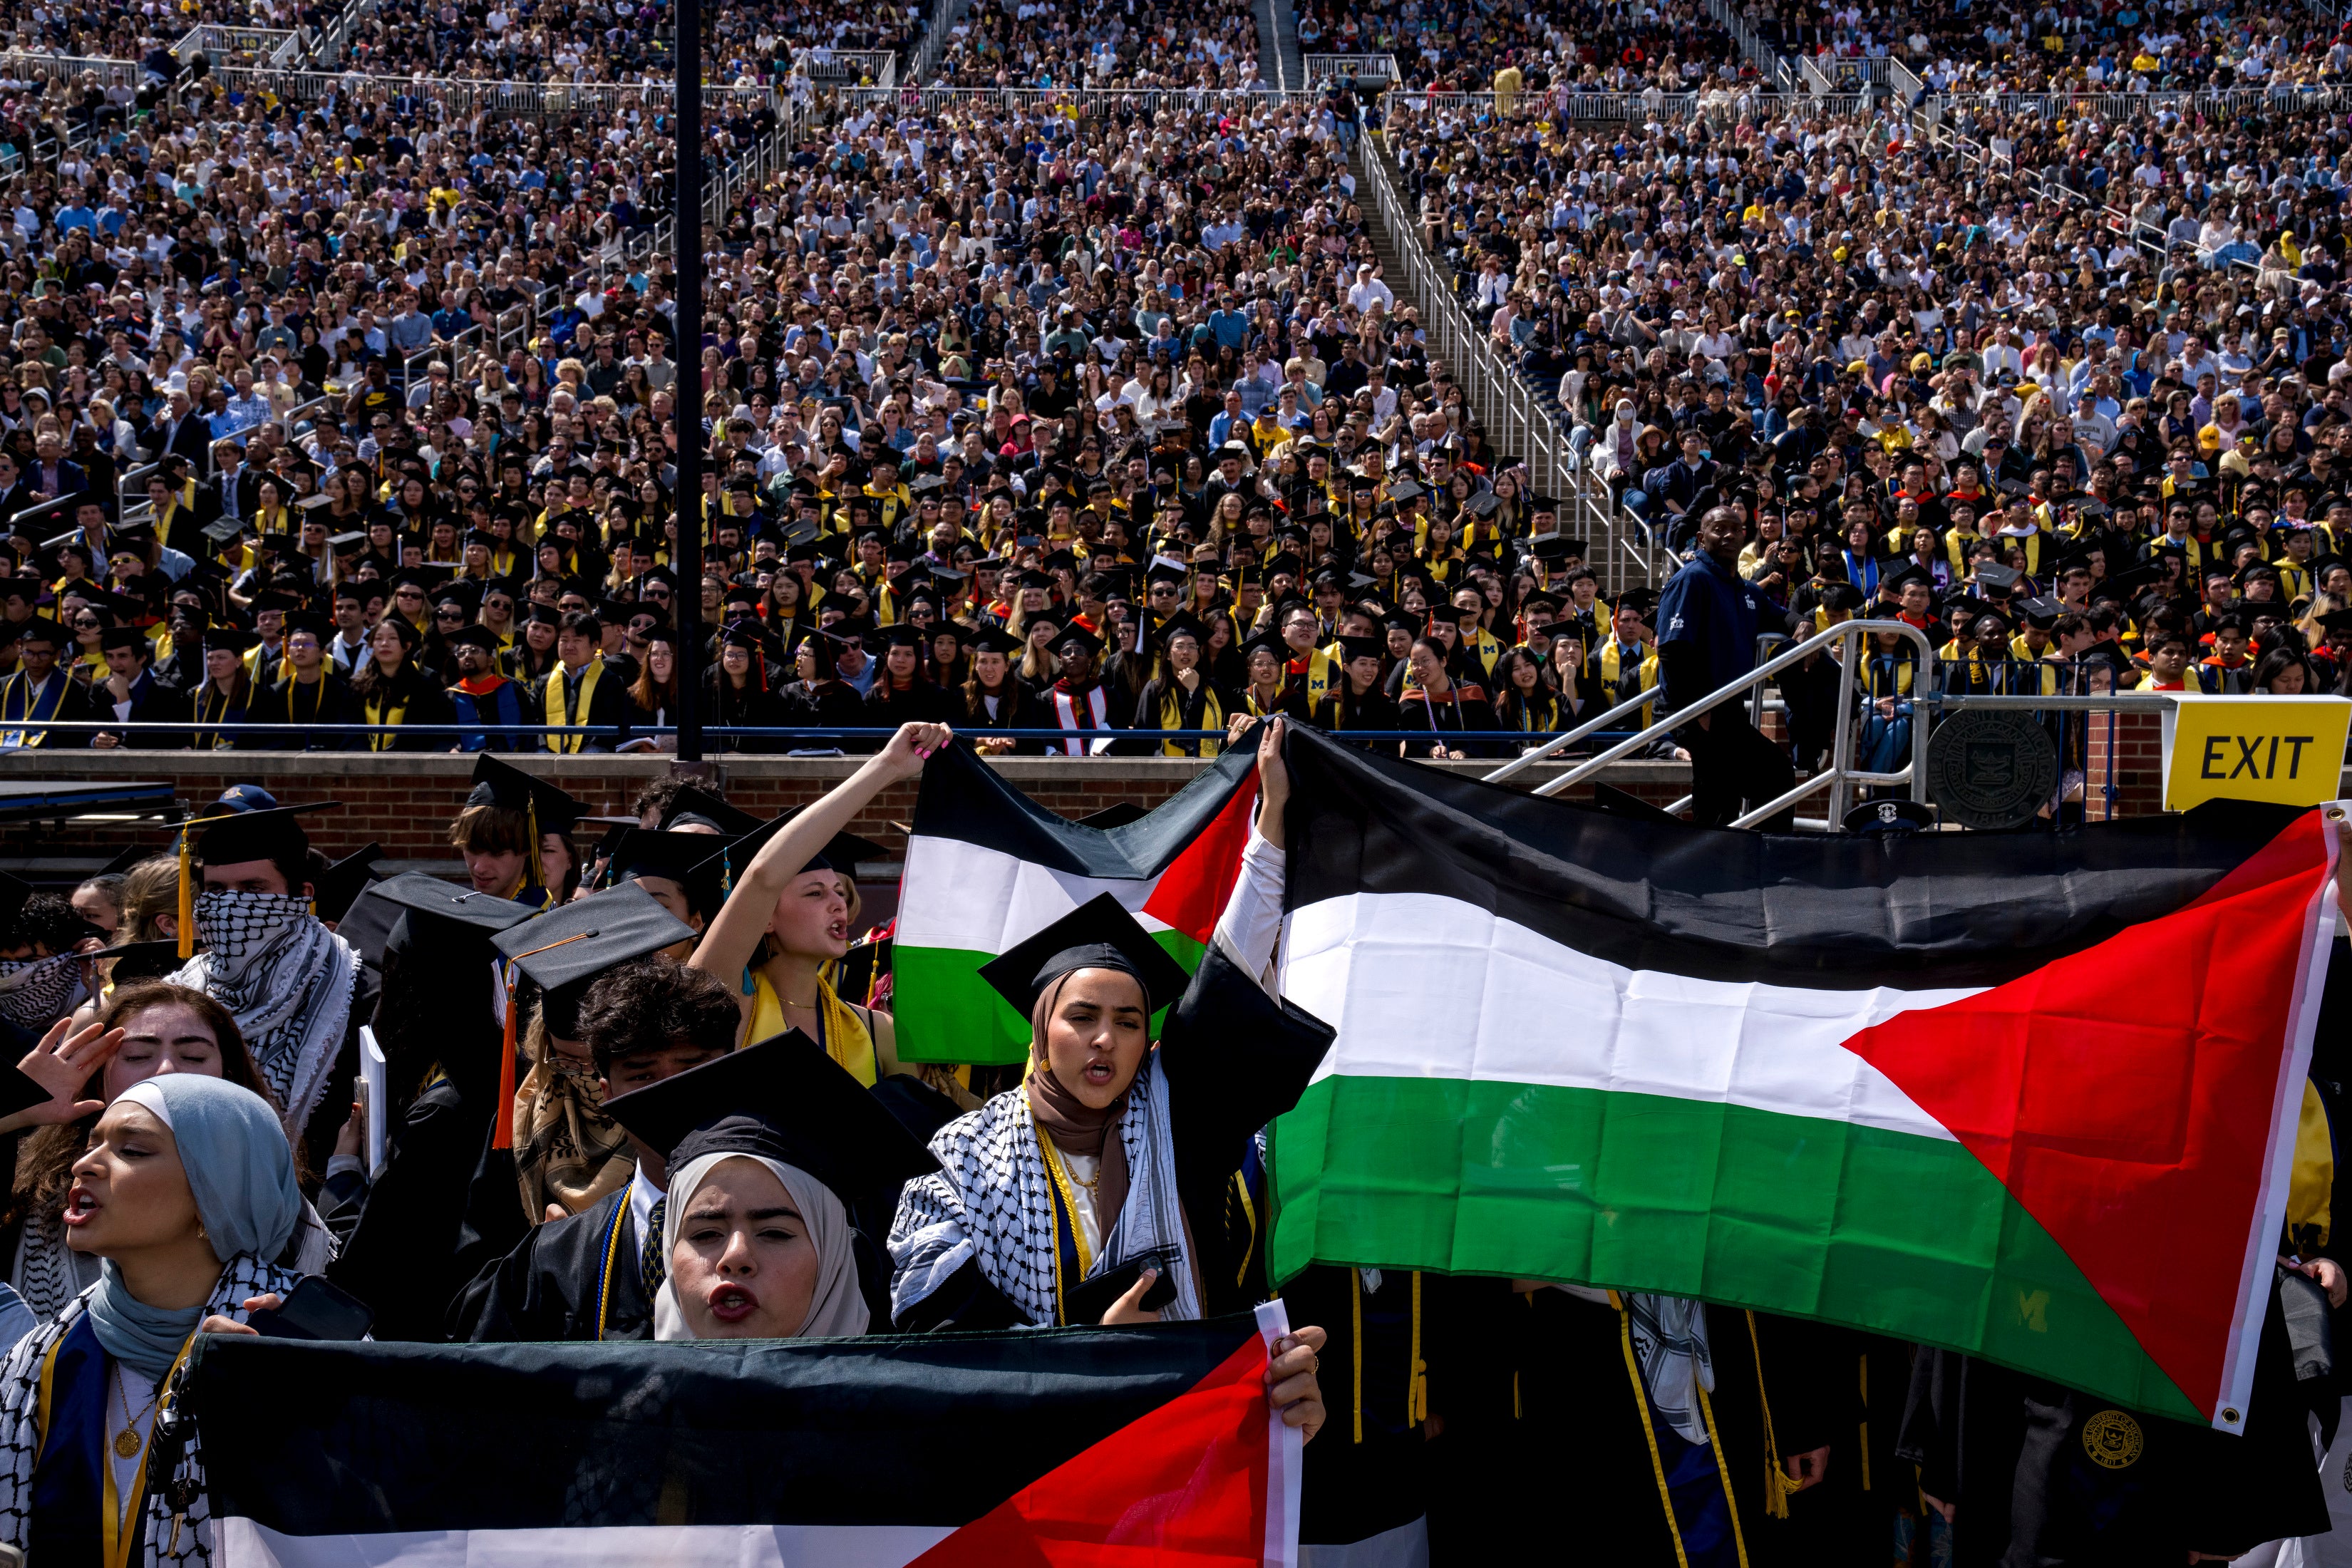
{"points": [[2286, 750]]}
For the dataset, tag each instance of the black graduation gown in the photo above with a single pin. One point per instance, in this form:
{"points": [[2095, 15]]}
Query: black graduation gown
{"points": [[406, 1255], [2045, 1476], [1375, 710], [287, 702], [1017, 708], [608, 707], [825, 704], [1574, 1408], [151, 702], [555, 1285]]}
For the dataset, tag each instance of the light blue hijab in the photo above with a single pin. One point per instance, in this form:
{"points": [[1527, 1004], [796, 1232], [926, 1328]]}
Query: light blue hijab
{"points": [[241, 1173]]}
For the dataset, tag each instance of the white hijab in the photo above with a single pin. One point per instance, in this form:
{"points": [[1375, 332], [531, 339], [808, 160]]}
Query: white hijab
{"points": [[836, 1309]]}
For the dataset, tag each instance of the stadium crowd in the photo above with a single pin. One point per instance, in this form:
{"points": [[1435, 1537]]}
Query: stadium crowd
{"points": [[1065, 43], [2127, 48]]}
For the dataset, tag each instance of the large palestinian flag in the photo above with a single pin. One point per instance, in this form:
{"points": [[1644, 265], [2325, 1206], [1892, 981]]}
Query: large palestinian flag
{"points": [[2031, 1096], [988, 867], [1079, 1448]]}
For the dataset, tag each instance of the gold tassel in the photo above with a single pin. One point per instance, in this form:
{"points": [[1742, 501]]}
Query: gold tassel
{"points": [[1865, 1360], [1356, 1340], [530, 831], [1416, 1404], [1731, 1503], [187, 897], [1776, 1484]]}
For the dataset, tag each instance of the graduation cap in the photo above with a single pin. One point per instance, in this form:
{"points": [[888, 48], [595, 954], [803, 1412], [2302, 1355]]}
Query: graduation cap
{"points": [[114, 638], [1097, 934], [275, 599], [1995, 579], [995, 639], [233, 838], [1077, 635], [335, 888], [1552, 549], [472, 636], [844, 852], [1183, 623], [1354, 648], [564, 949], [426, 578], [141, 959], [785, 1100], [229, 639], [418, 892], [1402, 491], [681, 858], [1909, 576], [700, 806], [2040, 611], [502, 783]]}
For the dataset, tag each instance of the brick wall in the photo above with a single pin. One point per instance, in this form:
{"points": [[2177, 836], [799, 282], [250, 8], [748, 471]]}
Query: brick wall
{"points": [[405, 801], [2127, 754]]}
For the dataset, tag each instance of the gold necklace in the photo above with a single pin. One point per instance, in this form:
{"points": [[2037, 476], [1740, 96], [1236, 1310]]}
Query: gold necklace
{"points": [[128, 1442]]}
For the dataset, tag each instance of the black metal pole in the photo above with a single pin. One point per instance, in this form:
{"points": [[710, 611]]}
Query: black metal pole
{"points": [[687, 405]]}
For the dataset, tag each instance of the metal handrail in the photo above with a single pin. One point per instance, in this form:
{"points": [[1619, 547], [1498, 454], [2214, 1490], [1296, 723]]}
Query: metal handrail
{"points": [[1839, 771], [247, 727], [1501, 400]]}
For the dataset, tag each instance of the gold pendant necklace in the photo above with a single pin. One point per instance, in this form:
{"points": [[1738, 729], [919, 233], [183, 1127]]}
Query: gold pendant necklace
{"points": [[128, 1442]]}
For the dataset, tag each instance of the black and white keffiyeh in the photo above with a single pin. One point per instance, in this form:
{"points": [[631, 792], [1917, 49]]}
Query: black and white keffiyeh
{"points": [[288, 982], [1669, 1343], [20, 1436], [48, 1273], [991, 1201], [37, 992]]}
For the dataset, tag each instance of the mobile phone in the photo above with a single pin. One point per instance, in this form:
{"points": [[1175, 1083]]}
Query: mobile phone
{"points": [[316, 1309], [1088, 1301]]}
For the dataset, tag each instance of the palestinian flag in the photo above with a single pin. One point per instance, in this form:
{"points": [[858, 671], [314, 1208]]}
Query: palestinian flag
{"points": [[988, 867], [1084, 1448], [2027, 1095]]}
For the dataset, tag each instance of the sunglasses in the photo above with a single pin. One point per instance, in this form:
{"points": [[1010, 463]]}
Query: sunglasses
{"points": [[448, 614]]}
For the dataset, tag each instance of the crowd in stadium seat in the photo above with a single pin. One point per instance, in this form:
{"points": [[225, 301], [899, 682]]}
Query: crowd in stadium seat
{"points": [[939, 318], [2128, 48], [1065, 43], [1461, 46]]}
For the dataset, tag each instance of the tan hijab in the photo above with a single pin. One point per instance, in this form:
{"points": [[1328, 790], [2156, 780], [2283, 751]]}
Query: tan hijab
{"points": [[1076, 1127]]}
